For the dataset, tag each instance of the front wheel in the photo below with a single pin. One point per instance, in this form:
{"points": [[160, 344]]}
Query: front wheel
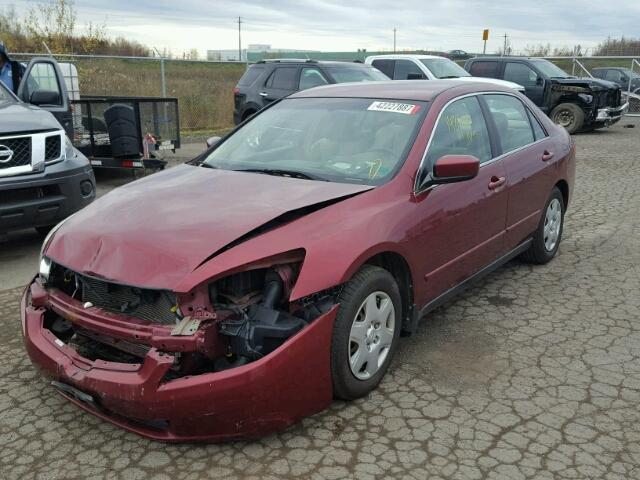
{"points": [[546, 240], [569, 116], [365, 333]]}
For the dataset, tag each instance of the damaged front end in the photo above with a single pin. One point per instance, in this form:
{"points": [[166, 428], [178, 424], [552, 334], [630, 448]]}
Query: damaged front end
{"points": [[600, 101], [221, 361]]}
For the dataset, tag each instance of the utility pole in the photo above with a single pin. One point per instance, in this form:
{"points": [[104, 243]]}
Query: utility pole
{"points": [[394, 40], [504, 49], [239, 39]]}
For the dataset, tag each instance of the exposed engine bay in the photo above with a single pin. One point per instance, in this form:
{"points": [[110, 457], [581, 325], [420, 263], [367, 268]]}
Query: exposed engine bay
{"points": [[243, 317]]}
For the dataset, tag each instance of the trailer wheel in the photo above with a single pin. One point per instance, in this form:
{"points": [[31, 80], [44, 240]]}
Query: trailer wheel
{"points": [[569, 116]]}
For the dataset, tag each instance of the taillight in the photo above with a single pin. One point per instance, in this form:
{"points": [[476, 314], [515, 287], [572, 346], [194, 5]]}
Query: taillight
{"points": [[236, 91]]}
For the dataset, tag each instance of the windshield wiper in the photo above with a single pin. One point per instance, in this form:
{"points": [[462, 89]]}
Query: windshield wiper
{"points": [[206, 165], [449, 76], [283, 173]]}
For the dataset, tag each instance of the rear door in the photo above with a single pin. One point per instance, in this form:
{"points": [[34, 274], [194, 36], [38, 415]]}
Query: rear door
{"points": [[283, 81], [523, 74], [526, 152], [43, 85]]}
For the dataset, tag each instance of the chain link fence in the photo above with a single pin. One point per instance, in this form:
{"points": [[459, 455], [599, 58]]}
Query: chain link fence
{"points": [[203, 89]]}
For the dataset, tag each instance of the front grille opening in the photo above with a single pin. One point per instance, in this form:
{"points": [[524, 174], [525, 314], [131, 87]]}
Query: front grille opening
{"points": [[94, 346], [157, 306], [15, 152], [52, 148], [20, 195]]}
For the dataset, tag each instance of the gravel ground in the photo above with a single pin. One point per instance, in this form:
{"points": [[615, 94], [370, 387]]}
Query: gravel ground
{"points": [[534, 373]]}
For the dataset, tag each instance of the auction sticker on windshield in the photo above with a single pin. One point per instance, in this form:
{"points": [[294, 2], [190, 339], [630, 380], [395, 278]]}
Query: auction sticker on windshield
{"points": [[406, 108]]}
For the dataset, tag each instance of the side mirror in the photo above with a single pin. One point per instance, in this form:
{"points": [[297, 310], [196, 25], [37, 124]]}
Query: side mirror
{"points": [[539, 81], [45, 97], [455, 168], [211, 141], [415, 76]]}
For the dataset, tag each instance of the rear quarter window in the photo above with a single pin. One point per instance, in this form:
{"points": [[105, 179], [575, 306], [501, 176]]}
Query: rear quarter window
{"points": [[250, 75], [484, 69]]}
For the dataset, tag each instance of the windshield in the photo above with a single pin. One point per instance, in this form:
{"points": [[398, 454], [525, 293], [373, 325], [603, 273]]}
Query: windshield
{"points": [[630, 73], [347, 140], [550, 70], [444, 68], [5, 95], [361, 74]]}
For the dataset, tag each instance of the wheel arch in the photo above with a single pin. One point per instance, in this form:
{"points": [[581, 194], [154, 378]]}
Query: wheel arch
{"points": [[563, 186], [398, 267]]}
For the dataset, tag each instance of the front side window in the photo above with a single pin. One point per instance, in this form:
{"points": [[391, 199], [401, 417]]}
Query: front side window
{"points": [[520, 74], [549, 69], [311, 77], [283, 78], [461, 130], [348, 140], [43, 77], [511, 120], [444, 68], [407, 70]]}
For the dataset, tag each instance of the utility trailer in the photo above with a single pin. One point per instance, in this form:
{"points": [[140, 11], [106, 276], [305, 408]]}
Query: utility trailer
{"points": [[125, 132]]}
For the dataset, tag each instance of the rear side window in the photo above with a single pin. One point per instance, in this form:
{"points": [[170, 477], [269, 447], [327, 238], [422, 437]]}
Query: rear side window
{"points": [[512, 121], [385, 66], [251, 75], [311, 77], [283, 78], [538, 131], [484, 69], [520, 73], [461, 130], [406, 68]]}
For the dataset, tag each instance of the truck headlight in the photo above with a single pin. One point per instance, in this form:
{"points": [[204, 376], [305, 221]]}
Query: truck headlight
{"points": [[69, 150]]}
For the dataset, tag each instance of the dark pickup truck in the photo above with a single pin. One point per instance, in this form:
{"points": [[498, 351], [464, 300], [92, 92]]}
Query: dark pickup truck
{"points": [[43, 178], [578, 104]]}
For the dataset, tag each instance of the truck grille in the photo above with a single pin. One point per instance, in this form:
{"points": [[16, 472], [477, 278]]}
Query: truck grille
{"points": [[15, 152], [52, 148], [151, 305], [20, 195]]}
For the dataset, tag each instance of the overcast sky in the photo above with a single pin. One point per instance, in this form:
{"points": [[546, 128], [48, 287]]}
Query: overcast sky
{"points": [[344, 25]]}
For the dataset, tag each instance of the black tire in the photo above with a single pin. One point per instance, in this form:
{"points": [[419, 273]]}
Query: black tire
{"points": [[366, 281], [247, 114], [569, 116], [538, 252]]}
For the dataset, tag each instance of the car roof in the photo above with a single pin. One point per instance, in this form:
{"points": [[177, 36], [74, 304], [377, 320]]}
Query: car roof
{"points": [[302, 61], [393, 56], [418, 90]]}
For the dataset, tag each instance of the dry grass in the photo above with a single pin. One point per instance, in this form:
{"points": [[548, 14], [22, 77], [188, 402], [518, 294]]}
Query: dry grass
{"points": [[204, 90]]}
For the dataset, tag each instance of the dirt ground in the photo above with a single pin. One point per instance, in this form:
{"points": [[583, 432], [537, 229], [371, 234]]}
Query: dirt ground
{"points": [[533, 373]]}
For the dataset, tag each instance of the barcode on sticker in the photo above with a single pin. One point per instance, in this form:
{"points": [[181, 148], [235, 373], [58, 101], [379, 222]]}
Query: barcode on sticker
{"points": [[406, 108]]}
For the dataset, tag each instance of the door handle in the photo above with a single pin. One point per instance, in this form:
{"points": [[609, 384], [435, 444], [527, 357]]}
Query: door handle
{"points": [[547, 155], [496, 182], [263, 94]]}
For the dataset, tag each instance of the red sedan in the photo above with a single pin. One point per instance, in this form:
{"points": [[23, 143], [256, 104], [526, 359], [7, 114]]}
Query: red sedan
{"points": [[234, 295]]}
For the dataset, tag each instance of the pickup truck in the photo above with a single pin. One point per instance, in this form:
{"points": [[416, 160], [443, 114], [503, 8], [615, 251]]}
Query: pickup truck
{"points": [[43, 178], [428, 67], [577, 104]]}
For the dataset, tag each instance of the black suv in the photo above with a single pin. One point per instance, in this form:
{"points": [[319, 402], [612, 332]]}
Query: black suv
{"points": [[625, 77], [270, 80], [574, 103]]}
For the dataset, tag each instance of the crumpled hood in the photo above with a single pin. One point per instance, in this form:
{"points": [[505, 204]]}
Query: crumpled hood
{"points": [[153, 232], [20, 117], [594, 84]]}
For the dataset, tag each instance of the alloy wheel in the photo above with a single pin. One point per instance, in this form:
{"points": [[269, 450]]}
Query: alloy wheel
{"points": [[552, 224]]}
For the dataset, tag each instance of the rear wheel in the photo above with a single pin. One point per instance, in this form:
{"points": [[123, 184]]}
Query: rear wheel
{"points": [[546, 240], [365, 333], [569, 116]]}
